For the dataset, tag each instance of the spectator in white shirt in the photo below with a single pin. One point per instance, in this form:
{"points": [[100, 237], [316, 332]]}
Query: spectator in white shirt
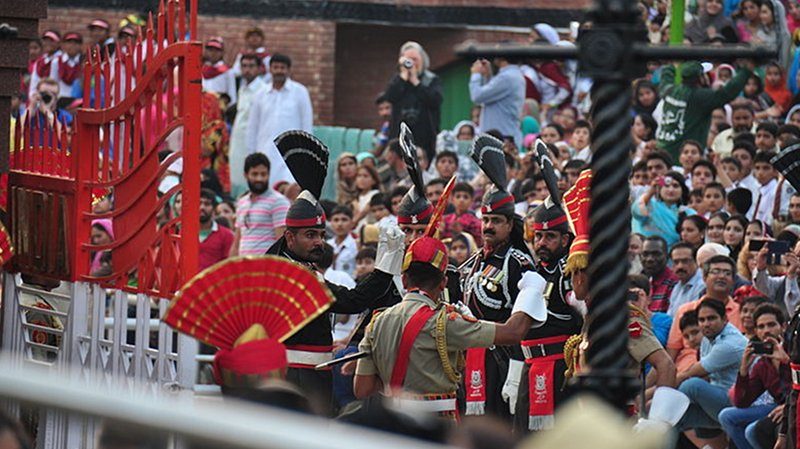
{"points": [[745, 152], [285, 106], [343, 243], [251, 88], [690, 286], [766, 175]]}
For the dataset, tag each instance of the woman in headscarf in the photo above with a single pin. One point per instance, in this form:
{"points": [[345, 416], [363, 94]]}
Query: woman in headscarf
{"points": [[775, 86], [711, 23], [346, 171], [773, 32], [102, 234], [748, 20], [645, 97]]}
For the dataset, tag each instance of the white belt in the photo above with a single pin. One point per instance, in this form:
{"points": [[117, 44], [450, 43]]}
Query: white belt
{"points": [[307, 357], [420, 405], [795, 376]]}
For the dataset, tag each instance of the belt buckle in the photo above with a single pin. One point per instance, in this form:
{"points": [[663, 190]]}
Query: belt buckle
{"points": [[542, 350]]}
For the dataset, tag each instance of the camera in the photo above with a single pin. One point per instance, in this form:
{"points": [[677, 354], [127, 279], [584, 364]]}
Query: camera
{"points": [[407, 63], [762, 347], [47, 97]]}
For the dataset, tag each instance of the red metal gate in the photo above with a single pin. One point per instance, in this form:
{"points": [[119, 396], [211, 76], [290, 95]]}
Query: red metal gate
{"points": [[133, 100]]}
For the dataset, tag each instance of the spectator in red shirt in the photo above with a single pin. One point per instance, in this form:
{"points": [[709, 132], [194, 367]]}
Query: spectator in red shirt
{"points": [[662, 279], [215, 240], [463, 219], [759, 374]]}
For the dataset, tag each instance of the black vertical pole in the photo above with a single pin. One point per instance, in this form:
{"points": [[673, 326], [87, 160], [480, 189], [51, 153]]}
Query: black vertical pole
{"points": [[606, 55]]}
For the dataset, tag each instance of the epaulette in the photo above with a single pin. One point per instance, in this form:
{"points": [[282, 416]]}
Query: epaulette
{"points": [[372, 317], [521, 258]]}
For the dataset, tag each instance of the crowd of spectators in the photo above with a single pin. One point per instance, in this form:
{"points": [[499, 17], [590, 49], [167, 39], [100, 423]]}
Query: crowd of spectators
{"points": [[704, 194]]}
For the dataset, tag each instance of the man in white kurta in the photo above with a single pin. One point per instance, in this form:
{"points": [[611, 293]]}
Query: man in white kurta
{"points": [[285, 106], [251, 88]]}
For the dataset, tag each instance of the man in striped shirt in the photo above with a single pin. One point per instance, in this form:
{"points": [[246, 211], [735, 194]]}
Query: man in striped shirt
{"points": [[261, 213]]}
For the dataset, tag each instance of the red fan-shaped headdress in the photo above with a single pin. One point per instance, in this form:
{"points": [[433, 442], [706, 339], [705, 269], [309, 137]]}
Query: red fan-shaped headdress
{"points": [[247, 307]]}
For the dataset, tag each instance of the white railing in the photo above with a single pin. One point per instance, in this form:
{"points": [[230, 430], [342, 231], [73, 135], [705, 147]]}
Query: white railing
{"points": [[97, 338], [217, 423]]}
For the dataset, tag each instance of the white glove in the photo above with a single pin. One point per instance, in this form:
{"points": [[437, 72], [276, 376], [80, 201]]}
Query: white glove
{"points": [[391, 250], [463, 309], [531, 296], [510, 389]]}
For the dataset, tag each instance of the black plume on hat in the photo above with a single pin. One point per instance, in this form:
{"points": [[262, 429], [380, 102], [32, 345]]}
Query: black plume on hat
{"points": [[487, 152], [788, 163], [307, 159], [414, 208], [410, 158], [549, 173]]}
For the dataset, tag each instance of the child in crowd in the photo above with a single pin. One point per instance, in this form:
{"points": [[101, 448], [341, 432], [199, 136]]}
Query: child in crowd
{"points": [[731, 173], [446, 163], [581, 141], [691, 152], [696, 201], [713, 198], [739, 201], [703, 172], [379, 208], [365, 262], [692, 336], [463, 219], [767, 177], [343, 243]]}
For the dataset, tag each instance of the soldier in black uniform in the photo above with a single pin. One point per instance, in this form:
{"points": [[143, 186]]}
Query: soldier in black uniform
{"points": [[490, 282], [543, 346], [303, 242]]}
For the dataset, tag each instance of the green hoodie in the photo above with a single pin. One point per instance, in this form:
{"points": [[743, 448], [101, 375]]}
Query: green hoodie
{"points": [[687, 109]]}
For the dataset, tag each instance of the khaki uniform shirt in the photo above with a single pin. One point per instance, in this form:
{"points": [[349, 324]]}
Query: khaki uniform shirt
{"points": [[425, 374], [641, 340]]}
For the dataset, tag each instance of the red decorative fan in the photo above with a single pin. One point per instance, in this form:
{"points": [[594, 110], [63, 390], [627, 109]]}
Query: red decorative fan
{"points": [[222, 302], [6, 246]]}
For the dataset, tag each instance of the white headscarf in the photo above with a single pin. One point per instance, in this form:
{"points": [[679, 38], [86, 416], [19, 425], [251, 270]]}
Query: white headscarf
{"points": [[547, 32]]}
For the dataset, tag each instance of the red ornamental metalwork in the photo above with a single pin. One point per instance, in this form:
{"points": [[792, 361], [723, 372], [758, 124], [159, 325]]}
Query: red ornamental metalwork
{"points": [[134, 100]]}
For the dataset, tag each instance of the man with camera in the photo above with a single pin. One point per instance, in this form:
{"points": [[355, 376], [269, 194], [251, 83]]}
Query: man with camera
{"points": [[500, 94], [764, 369], [782, 290], [42, 106], [416, 97]]}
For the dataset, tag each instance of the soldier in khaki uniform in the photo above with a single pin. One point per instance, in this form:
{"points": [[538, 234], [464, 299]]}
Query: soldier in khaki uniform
{"points": [[416, 347], [642, 343]]}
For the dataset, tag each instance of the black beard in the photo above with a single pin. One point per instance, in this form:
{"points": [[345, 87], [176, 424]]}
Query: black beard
{"points": [[205, 218], [257, 187]]}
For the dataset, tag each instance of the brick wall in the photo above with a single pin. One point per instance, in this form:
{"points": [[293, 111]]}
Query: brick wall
{"points": [[311, 45], [344, 66]]}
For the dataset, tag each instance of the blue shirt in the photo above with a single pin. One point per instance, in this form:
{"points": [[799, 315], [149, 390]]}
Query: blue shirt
{"points": [[688, 291], [722, 355], [502, 97]]}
